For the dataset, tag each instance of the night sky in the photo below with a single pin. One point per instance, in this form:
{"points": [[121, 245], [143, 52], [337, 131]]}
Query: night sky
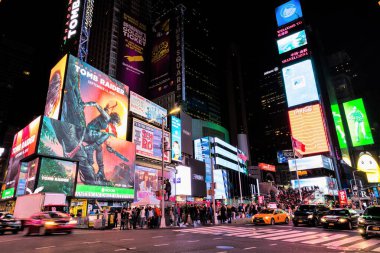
{"points": [[349, 25]]}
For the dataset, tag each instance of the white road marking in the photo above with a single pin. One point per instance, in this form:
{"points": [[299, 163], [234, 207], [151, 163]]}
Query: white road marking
{"points": [[91, 242], [325, 239], [305, 238], [180, 234], [159, 245], [127, 239], [194, 241], [159, 236], [47, 247], [218, 238], [363, 245], [290, 236], [273, 244], [249, 248], [343, 241], [120, 249]]}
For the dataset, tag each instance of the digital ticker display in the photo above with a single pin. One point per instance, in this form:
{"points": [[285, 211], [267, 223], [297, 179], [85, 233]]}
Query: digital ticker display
{"points": [[307, 126], [358, 124], [300, 85]]}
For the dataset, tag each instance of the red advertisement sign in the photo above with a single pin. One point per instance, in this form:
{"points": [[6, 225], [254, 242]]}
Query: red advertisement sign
{"points": [[267, 167], [343, 198]]}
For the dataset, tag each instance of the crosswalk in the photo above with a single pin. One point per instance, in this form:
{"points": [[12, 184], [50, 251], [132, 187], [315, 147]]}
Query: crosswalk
{"points": [[331, 240]]}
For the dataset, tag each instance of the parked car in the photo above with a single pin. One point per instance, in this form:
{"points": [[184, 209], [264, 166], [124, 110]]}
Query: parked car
{"points": [[369, 222], [9, 223], [45, 223], [309, 214], [340, 217], [271, 216]]}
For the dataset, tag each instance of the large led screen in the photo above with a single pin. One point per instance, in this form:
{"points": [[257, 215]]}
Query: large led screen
{"points": [[308, 127], [300, 85], [198, 177], [132, 63], [93, 99], [202, 148], [24, 145], [57, 176], [291, 42], [358, 124], [146, 184], [339, 126], [326, 185], [176, 139], [183, 181], [54, 95], [368, 163], [288, 12], [311, 162], [148, 141], [146, 108], [27, 177], [106, 163]]}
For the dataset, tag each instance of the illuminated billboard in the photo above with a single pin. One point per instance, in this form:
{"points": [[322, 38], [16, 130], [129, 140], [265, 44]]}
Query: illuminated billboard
{"points": [[24, 145], [267, 167], [311, 162], [90, 98], [176, 139], [283, 31], [300, 85], [308, 127], [291, 42], [288, 12], [198, 177], [148, 141], [284, 155], [202, 148], [183, 180], [54, 95], [326, 185], [106, 164], [146, 184], [339, 126], [132, 54], [146, 108], [358, 124], [368, 163], [27, 177], [57, 176]]}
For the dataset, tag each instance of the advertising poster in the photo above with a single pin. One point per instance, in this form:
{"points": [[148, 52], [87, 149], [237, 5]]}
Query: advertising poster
{"points": [[300, 85], [284, 155], [132, 53], [325, 185], [357, 121], [161, 80], [146, 108], [368, 163], [339, 126], [31, 178], [72, 26], [291, 42], [288, 12], [176, 139], [202, 148], [148, 141], [307, 126], [186, 135], [183, 181], [21, 184], [172, 179], [342, 198], [94, 100], [198, 177], [54, 95], [57, 176], [24, 145], [146, 185], [106, 164], [220, 191]]}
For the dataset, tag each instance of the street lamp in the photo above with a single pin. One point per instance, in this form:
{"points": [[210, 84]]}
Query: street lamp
{"points": [[163, 118], [356, 186]]}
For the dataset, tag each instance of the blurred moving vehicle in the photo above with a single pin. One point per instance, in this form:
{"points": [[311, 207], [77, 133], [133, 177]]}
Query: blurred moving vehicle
{"points": [[27, 205], [9, 224], [49, 222], [369, 222], [309, 214], [271, 216], [340, 217]]}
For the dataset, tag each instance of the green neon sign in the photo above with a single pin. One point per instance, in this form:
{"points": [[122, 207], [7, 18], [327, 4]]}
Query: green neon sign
{"points": [[339, 126]]}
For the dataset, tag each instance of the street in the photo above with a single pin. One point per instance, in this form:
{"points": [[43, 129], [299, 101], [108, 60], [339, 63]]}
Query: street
{"points": [[222, 238]]}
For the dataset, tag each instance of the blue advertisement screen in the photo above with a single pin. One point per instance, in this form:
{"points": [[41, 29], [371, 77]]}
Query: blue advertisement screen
{"points": [[288, 12], [176, 139], [300, 85], [291, 42]]}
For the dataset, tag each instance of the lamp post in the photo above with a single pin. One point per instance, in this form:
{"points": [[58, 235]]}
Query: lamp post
{"points": [[356, 186], [163, 119]]}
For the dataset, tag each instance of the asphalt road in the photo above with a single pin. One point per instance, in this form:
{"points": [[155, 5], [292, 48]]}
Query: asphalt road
{"points": [[226, 238]]}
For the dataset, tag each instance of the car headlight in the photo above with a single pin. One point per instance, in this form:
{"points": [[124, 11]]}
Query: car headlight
{"points": [[50, 223], [310, 216], [361, 220], [323, 219], [266, 217], [342, 220]]}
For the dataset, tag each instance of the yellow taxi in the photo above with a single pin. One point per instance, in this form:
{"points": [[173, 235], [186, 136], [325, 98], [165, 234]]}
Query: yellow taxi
{"points": [[271, 216]]}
